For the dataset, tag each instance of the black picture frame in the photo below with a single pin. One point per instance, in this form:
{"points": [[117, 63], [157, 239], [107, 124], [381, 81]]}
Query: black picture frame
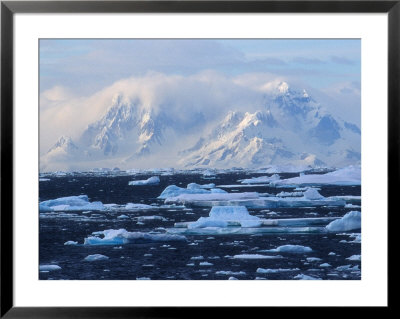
{"points": [[9, 8]]}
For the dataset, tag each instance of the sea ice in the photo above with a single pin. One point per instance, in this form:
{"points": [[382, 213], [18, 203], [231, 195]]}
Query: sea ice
{"points": [[154, 180], [220, 216], [350, 175], [205, 263], [297, 249], [172, 191], [261, 179], [348, 268], [305, 277], [230, 273], [96, 257], [132, 206], [255, 256], [49, 267], [274, 271], [78, 203], [70, 242], [350, 221], [354, 258], [121, 236]]}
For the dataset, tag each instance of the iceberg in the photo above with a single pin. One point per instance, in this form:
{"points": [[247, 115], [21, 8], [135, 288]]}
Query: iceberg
{"points": [[187, 197], [96, 257], [132, 206], [261, 179], [154, 180], [230, 273], [223, 216], [49, 267], [122, 236], [350, 221], [354, 258], [274, 271], [197, 186], [350, 175], [70, 242], [192, 188], [296, 249], [77, 203]]}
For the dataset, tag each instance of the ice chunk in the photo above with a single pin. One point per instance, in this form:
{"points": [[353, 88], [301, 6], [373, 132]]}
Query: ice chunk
{"points": [[132, 206], [348, 268], [198, 197], [305, 277], [44, 179], [174, 191], [149, 218], [96, 257], [154, 180], [350, 175], [350, 221], [205, 263], [325, 265], [223, 216], [70, 242], [230, 273], [274, 271], [261, 179], [297, 249], [255, 256], [49, 267], [122, 217], [121, 236], [79, 203], [312, 194], [354, 257], [312, 259], [197, 186]]}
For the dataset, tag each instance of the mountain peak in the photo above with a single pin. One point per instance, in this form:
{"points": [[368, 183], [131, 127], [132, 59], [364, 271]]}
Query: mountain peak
{"points": [[65, 143]]}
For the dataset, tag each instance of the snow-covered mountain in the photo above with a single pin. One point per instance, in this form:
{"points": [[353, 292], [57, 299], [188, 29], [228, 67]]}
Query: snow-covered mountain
{"points": [[287, 126]]}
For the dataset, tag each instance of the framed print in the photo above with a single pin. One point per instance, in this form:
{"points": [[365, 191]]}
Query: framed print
{"points": [[160, 155]]}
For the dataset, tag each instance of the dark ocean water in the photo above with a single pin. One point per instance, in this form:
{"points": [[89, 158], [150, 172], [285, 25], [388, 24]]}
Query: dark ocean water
{"points": [[201, 257]]}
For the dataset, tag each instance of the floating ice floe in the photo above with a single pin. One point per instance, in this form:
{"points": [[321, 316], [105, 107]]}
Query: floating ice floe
{"points": [[44, 179], [122, 236], [305, 277], [274, 271], [70, 243], [261, 179], [348, 268], [77, 203], [149, 218], [49, 267], [350, 221], [197, 186], [354, 258], [297, 249], [255, 256], [154, 180], [96, 257], [172, 191], [224, 216], [132, 206], [230, 273], [350, 175]]}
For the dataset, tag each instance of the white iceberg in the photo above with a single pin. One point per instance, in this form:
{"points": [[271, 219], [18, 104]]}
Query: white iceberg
{"points": [[312, 194], [350, 175], [96, 257], [132, 206], [49, 267], [77, 203], [261, 179], [354, 258], [297, 249], [197, 186], [224, 216], [154, 180], [70, 243], [208, 196], [122, 236], [350, 221], [192, 188]]}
